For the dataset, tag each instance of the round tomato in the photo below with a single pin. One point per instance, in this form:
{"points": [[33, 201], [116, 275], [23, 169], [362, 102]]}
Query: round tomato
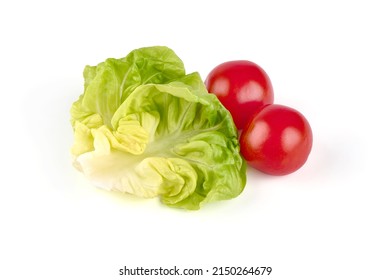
{"points": [[243, 88], [277, 141]]}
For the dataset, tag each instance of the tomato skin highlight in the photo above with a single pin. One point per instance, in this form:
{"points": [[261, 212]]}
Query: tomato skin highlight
{"points": [[277, 141], [242, 86]]}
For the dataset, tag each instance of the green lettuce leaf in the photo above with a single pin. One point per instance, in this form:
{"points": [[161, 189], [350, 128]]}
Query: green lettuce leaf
{"points": [[142, 126]]}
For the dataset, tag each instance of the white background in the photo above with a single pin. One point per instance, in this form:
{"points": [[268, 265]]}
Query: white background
{"points": [[329, 220]]}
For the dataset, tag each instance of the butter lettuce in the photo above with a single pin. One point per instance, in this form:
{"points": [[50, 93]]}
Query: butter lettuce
{"points": [[144, 127]]}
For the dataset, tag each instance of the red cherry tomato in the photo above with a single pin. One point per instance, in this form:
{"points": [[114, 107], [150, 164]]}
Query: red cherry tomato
{"points": [[277, 141], [243, 88]]}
